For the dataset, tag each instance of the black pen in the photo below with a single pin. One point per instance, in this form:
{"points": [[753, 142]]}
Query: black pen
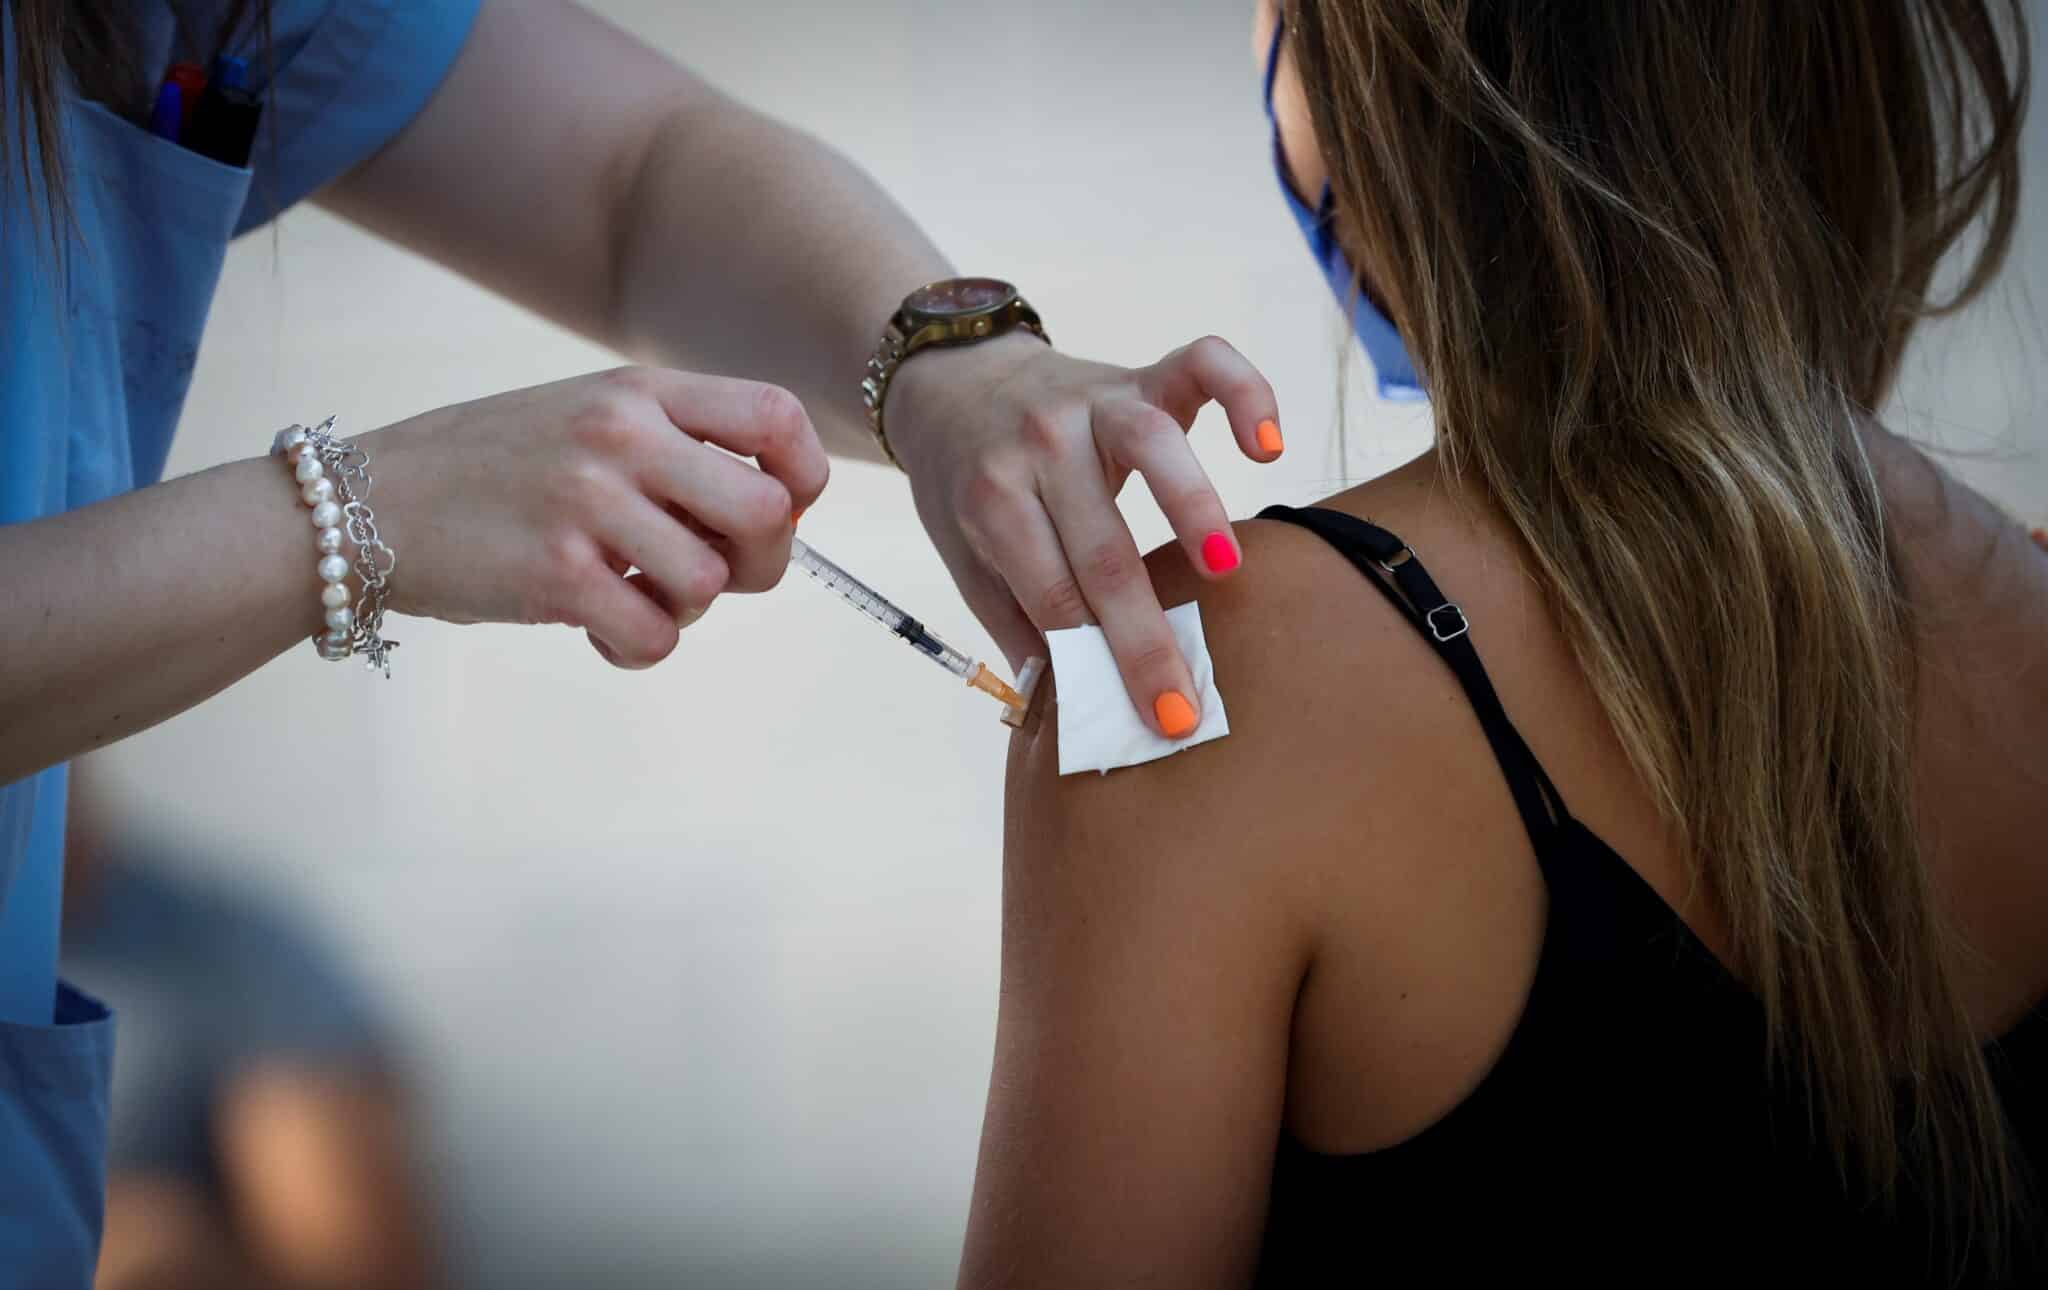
{"points": [[224, 123]]}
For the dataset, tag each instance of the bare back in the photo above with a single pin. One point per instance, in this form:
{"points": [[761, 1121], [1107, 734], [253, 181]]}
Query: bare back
{"points": [[1412, 998]]}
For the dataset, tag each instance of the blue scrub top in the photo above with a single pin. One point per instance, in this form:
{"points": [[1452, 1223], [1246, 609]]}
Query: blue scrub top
{"points": [[96, 353]]}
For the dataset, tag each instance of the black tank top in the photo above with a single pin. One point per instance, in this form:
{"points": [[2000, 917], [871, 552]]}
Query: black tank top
{"points": [[1630, 1130]]}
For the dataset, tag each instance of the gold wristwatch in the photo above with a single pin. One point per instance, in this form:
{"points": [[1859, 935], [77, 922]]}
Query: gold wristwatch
{"points": [[957, 311]]}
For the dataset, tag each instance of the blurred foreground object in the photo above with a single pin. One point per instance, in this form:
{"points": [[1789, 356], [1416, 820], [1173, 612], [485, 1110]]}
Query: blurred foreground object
{"points": [[259, 1134]]}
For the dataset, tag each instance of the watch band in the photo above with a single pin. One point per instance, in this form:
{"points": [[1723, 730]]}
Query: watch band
{"points": [[907, 335]]}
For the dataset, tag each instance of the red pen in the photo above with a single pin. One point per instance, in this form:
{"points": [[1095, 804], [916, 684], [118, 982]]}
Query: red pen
{"points": [[190, 78]]}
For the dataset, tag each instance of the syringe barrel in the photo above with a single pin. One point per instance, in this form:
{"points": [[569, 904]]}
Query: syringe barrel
{"points": [[851, 589], [870, 602], [949, 658]]}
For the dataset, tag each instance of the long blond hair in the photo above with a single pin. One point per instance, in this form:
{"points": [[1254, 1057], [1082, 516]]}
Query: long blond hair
{"points": [[1656, 261]]}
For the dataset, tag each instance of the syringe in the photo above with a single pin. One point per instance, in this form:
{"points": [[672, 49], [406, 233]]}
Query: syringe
{"points": [[864, 598]]}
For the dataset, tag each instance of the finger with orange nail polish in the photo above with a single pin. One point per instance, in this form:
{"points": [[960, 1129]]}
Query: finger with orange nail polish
{"points": [[1269, 438], [1176, 715]]}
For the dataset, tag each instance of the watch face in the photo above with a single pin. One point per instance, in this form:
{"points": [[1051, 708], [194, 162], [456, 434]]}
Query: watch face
{"points": [[957, 297]]}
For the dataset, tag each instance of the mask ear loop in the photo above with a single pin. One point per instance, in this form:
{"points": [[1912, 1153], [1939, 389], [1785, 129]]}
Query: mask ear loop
{"points": [[1326, 206], [1273, 57], [1325, 215]]}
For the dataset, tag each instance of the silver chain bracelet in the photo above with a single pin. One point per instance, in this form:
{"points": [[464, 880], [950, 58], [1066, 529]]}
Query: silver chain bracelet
{"points": [[357, 630]]}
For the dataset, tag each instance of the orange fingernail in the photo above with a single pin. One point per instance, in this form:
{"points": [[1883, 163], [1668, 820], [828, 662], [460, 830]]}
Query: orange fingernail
{"points": [[1176, 715], [796, 516], [1269, 438]]}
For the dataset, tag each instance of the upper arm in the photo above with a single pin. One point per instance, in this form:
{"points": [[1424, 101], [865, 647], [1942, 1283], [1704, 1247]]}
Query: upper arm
{"points": [[1153, 945], [516, 172]]}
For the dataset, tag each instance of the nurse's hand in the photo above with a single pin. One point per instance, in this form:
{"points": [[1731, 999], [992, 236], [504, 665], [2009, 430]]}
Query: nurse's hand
{"points": [[1016, 453], [532, 506]]}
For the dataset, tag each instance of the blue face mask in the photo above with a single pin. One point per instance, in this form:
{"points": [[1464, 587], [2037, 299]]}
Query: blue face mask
{"points": [[1390, 361]]}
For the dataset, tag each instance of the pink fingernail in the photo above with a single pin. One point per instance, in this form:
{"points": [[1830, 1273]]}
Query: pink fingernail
{"points": [[1219, 553]]}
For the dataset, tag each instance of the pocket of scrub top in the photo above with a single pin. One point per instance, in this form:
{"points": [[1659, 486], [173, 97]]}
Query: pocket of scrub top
{"points": [[154, 219], [53, 1143]]}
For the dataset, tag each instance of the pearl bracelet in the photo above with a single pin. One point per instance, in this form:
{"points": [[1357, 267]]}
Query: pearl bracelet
{"points": [[334, 482]]}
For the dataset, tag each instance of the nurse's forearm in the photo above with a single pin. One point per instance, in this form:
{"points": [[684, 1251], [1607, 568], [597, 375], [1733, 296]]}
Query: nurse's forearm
{"points": [[753, 249], [121, 614]]}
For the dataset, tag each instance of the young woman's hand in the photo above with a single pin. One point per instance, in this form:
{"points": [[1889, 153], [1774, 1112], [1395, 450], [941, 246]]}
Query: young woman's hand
{"points": [[533, 506], [1016, 453]]}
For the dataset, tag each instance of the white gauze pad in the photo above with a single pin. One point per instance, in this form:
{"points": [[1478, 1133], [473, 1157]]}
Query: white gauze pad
{"points": [[1099, 729]]}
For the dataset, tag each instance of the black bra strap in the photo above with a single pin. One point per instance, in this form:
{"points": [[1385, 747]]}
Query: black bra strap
{"points": [[1414, 594]]}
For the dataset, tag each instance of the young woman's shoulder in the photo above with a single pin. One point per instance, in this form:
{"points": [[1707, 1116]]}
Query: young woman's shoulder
{"points": [[1349, 738], [1323, 924], [1160, 924]]}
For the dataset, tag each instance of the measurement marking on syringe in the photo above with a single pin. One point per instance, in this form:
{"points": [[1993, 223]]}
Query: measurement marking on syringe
{"points": [[864, 598]]}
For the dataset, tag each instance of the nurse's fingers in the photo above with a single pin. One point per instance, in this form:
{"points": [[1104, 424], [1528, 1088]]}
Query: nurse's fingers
{"points": [[1211, 370], [1013, 535], [682, 616], [1152, 444], [626, 624], [748, 511], [1114, 581], [680, 575], [765, 422]]}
